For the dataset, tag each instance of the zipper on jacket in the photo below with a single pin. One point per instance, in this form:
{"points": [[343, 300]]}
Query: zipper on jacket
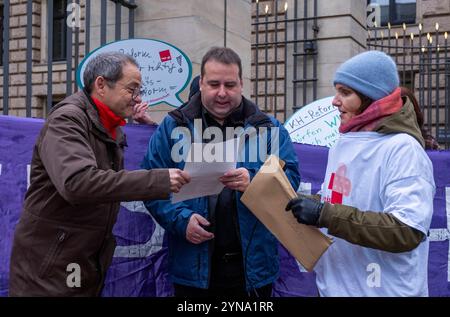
{"points": [[198, 265], [238, 231], [52, 253], [211, 209]]}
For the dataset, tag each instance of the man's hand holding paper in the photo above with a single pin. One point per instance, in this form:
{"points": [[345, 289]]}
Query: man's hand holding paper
{"points": [[236, 179], [211, 167]]}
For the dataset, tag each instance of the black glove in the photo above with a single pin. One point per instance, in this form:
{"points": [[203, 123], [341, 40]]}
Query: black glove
{"points": [[306, 210]]}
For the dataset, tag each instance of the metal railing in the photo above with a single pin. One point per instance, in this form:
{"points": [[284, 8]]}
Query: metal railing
{"points": [[284, 39], [424, 66], [73, 48], [284, 61]]}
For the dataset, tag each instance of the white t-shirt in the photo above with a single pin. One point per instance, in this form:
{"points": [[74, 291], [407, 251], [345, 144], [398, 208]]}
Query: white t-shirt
{"points": [[381, 173]]}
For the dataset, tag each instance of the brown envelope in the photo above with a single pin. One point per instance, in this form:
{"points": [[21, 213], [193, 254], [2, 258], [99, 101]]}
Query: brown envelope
{"points": [[267, 196]]}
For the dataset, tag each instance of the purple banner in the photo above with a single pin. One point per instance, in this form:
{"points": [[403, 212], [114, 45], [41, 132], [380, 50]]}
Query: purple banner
{"points": [[139, 266]]}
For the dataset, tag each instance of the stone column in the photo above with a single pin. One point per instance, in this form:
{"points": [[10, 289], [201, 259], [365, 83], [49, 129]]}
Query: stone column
{"points": [[342, 35], [431, 11]]}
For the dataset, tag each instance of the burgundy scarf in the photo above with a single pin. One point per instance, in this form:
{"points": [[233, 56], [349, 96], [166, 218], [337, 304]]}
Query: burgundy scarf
{"points": [[369, 119]]}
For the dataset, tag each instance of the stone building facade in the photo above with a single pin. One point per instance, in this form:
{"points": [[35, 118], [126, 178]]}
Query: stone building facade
{"points": [[339, 30], [191, 25]]}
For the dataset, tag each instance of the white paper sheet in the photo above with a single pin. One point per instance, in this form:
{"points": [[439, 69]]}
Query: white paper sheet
{"points": [[205, 168]]}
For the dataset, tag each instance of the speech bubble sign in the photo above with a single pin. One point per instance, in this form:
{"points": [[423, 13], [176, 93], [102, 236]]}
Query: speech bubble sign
{"points": [[316, 123], [165, 69]]}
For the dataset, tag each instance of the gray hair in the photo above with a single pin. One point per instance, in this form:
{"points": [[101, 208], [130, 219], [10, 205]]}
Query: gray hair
{"points": [[108, 65], [222, 55]]}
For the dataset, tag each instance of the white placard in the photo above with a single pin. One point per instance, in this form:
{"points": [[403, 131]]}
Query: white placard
{"points": [[316, 123], [165, 69]]}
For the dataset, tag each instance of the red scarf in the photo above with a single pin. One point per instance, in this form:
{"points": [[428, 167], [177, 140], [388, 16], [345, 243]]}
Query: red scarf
{"points": [[369, 119], [108, 118]]}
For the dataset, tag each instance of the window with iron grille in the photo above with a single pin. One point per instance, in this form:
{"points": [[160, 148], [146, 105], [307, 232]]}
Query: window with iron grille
{"points": [[396, 11], [59, 30]]}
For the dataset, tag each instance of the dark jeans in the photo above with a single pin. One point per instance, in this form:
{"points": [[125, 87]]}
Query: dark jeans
{"points": [[238, 291], [227, 280]]}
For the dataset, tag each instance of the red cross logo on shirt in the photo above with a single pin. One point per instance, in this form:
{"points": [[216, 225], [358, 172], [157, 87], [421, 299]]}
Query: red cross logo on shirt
{"points": [[339, 184]]}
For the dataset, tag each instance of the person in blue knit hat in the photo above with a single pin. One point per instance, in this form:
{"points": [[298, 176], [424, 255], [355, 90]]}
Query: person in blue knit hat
{"points": [[377, 197], [373, 74]]}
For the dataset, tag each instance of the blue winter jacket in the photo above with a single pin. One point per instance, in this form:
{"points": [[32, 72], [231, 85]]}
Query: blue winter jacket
{"points": [[189, 264]]}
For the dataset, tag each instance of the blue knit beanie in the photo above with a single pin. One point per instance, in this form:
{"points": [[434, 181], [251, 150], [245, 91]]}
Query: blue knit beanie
{"points": [[373, 74]]}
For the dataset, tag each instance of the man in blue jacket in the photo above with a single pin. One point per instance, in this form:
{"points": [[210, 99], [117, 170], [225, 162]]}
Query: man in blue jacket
{"points": [[217, 247]]}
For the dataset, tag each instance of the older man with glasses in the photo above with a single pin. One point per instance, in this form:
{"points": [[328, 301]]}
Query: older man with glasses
{"points": [[77, 183]]}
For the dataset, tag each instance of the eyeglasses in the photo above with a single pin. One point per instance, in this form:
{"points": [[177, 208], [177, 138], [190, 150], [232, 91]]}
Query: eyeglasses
{"points": [[135, 92]]}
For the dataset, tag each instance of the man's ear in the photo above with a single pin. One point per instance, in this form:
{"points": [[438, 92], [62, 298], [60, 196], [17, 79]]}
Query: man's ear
{"points": [[99, 85]]}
